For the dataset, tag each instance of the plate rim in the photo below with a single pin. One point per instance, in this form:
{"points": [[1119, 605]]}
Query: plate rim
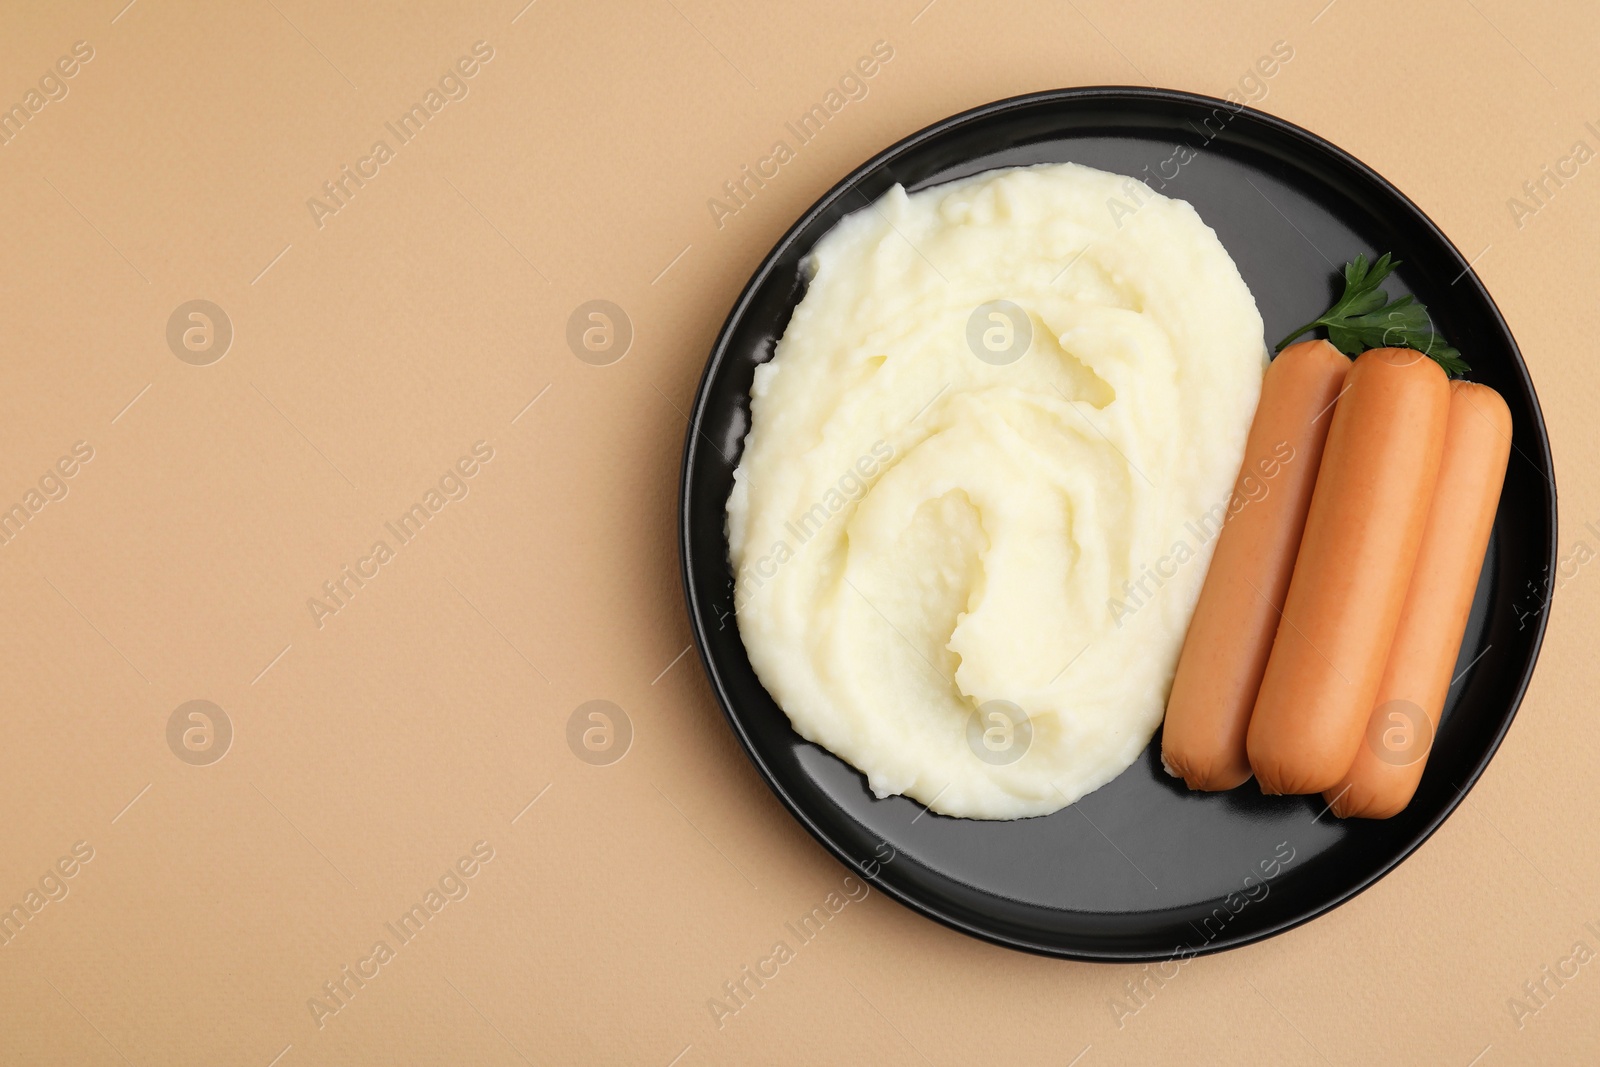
{"points": [[718, 353]]}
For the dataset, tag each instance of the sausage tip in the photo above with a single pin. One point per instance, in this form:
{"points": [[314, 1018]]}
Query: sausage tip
{"points": [[1348, 805], [1211, 776]]}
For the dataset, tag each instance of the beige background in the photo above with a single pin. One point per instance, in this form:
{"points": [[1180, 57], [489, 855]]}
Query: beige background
{"points": [[369, 354]]}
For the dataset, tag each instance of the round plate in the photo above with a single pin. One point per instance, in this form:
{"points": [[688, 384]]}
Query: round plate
{"points": [[1142, 868]]}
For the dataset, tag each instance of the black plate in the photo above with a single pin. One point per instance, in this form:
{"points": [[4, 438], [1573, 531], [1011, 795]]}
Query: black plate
{"points": [[1142, 868]]}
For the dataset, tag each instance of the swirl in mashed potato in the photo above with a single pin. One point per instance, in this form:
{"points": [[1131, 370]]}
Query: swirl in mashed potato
{"points": [[983, 466]]}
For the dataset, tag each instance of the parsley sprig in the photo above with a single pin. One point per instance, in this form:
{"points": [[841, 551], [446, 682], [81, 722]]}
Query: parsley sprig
{"points": [[1364, 317]]}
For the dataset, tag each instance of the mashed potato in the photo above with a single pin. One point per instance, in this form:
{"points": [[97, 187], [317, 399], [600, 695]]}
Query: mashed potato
{"points": [[977, 499]]}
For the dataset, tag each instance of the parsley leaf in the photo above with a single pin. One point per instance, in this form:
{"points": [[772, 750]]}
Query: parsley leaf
{"points": [[1364, 317]]}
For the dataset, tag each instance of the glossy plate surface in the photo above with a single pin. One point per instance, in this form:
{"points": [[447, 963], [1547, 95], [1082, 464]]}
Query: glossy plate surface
{"points": [[1142, 868]]}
